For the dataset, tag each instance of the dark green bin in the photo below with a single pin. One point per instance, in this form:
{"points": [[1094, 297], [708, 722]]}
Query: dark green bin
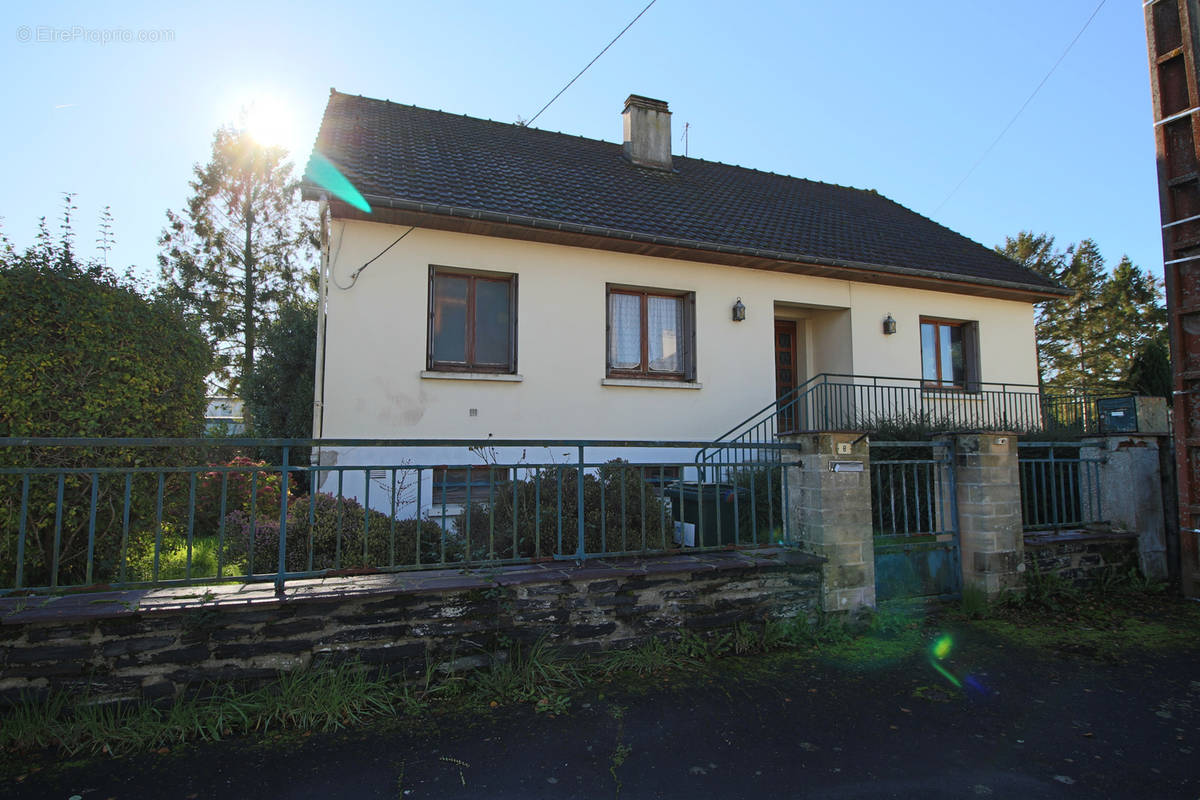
{"points": [[719, 503]]}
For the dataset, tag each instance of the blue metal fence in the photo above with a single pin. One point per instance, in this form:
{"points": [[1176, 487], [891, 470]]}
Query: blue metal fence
{"points": [[144, 512], [1060, 485], [914, 516]]}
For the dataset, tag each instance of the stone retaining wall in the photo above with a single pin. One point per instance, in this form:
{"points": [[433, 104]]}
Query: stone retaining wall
{"points": [[1081, 557], [159, 643]]}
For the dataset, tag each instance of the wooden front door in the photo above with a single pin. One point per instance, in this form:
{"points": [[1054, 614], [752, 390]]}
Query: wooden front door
{"points": [[785, 370]]}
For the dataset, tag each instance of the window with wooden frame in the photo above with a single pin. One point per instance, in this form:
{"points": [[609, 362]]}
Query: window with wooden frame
{"points": [[651, 334], [949, 354], [472, 321], [478, 484]]}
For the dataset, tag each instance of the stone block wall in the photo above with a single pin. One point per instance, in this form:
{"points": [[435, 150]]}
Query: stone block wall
{"points": [[1081, 557], [988, 486], [160, 643], [829, 513]]}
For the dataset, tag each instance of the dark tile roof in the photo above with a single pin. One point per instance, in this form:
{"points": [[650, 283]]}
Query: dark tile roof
{"points": [[411, 154]]}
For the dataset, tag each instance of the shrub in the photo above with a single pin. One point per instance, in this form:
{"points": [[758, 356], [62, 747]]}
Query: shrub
{"points": [[335, 534], [84, 352], [620, 512], [247, 490]]}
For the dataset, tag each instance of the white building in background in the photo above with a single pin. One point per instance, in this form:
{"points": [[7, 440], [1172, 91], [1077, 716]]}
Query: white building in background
{"points": [[224, 415]]}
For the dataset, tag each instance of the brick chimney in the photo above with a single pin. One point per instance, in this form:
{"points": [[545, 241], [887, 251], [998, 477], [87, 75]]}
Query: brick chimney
{"points": [[647, 125]]}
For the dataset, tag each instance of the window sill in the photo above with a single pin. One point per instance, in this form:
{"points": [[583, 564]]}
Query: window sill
{"points": [[471, 376], [950, 390], [648, 383]]}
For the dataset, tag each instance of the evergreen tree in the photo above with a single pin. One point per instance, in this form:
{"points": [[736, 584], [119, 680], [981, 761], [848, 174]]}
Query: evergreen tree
{"points": [[1150, 371], [1078, 330], [1092, 337], [1132, 310], [279, 392], [241, 247], [1036, 252]]}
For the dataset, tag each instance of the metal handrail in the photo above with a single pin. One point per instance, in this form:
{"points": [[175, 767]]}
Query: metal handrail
{"points": [[759, 429]]}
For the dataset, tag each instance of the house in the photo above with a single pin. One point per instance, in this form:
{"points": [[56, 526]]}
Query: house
{"points": [[515, 283], [224, 416]]}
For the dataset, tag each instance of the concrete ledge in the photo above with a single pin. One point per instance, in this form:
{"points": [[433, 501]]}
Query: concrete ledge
{"points": [[96, 605], [650, 383], [506, 377], [1036, 538]]}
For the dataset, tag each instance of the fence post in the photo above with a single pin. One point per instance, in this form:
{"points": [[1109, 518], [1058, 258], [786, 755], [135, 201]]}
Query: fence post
{"points": [[579, 552], [283, 507], [1125, 489], [988, 490], [828, 513]]}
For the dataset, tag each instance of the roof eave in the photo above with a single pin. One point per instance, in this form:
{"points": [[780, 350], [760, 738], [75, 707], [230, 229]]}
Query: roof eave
{"points": [[857, 270]]}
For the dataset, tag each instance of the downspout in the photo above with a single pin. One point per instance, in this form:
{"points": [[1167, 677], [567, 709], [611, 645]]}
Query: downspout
{"points": [[318, 423]]}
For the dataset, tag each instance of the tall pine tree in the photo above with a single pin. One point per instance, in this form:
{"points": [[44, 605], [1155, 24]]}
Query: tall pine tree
{"points": [[240, 248], [1036, 252], [1131, 305], [1091, 338]]}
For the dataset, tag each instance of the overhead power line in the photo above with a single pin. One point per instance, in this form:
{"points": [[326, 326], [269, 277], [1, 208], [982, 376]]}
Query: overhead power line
{"points": [[1024, 105], [593, 61]]}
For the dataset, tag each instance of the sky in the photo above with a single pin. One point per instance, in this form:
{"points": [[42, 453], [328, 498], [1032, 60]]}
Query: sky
{"points": [[117, 102]]}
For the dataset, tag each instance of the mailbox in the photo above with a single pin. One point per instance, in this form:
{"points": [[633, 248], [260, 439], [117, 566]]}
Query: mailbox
{"points": [[1117, 414]]}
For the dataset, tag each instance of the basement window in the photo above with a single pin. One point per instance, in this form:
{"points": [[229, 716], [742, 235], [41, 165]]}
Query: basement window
{"points": [[476, 484]]}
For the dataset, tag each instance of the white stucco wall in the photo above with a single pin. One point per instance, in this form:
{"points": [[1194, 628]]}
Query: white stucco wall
{"points": [[376, 340]]}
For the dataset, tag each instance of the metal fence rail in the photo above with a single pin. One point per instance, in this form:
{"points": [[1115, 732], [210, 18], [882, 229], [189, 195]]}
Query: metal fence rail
{"points": [[912, 492], [1060, 488], [914, 515], [146, 512], [869, 402]]}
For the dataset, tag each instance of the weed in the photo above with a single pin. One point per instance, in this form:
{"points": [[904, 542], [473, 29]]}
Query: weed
{"points": [[1045, 591], [32, 723], [890, 621], [974, 602], [747, 639], [521, 675], [650, 657], [554, 705], [620, 753], [695, 646]]}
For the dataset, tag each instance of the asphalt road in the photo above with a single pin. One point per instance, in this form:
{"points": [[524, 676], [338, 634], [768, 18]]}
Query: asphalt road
{"points": [[1029, 725]]}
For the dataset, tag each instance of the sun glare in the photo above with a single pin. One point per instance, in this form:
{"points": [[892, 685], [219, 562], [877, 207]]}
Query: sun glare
{"points": [[268, 120]]}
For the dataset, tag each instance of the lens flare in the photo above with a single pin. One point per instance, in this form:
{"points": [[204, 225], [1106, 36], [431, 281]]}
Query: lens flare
{"points": [[941, 648], [323, 173], [939, 651]]}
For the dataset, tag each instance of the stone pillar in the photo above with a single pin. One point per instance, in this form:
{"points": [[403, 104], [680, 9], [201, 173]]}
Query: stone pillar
{"points": [[829, 513], [1129, 493], [988, 490]]}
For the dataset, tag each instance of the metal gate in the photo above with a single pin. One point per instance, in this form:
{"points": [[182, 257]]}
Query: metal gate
{"points": [[914, 514]]}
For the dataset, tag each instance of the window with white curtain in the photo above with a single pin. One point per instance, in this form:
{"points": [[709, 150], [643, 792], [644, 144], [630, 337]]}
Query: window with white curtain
{"points": [[650, 334]]}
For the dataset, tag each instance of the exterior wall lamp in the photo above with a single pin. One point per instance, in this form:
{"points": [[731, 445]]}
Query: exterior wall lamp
{"points": [[889, 325], [739, 311]]}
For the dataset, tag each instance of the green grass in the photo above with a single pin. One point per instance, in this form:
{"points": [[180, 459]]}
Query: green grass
{"points": [[309, 700], [172, 559], [537, 674]]}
